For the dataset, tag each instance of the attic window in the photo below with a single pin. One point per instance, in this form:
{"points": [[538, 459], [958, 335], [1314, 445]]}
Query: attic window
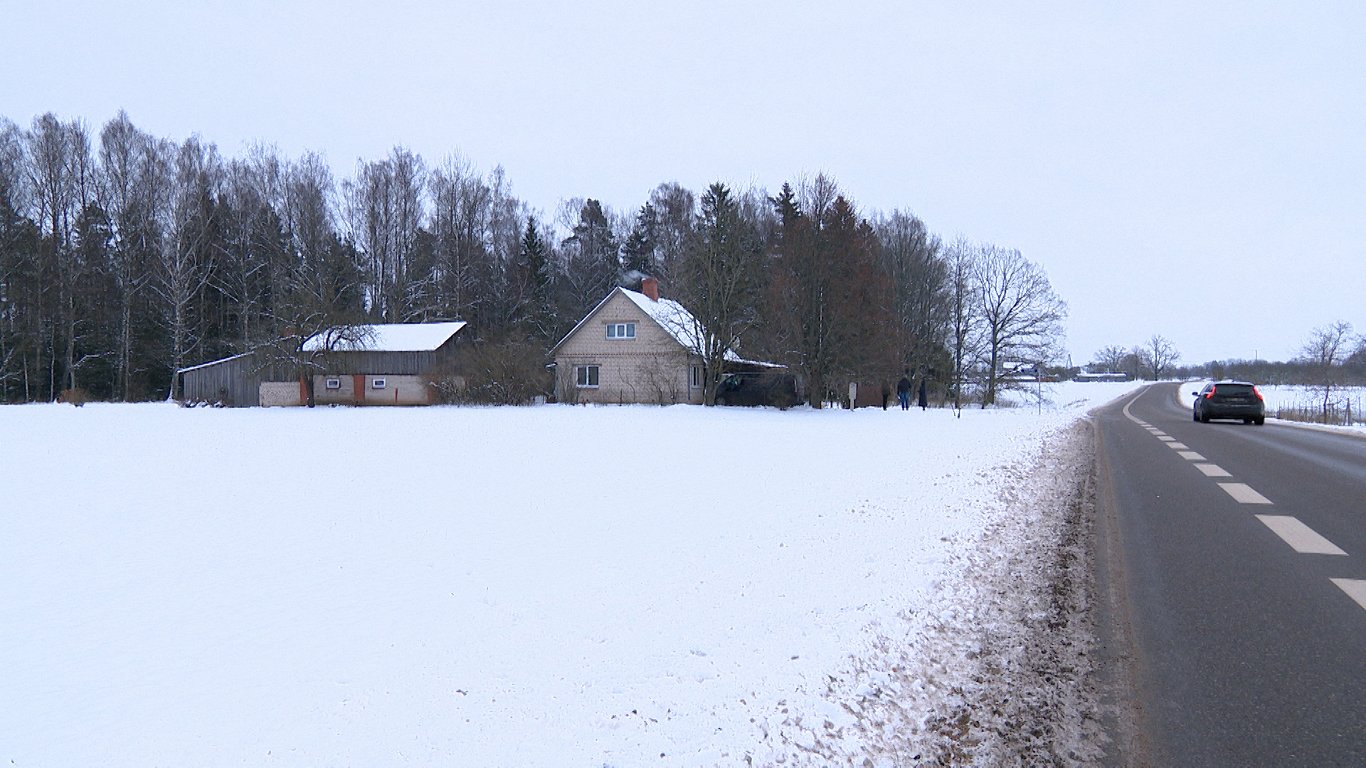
{"points": [[621, 330]]}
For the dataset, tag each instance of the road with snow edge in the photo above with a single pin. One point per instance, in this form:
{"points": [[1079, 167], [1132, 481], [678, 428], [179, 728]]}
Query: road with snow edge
{"points": [[1237, 568]]}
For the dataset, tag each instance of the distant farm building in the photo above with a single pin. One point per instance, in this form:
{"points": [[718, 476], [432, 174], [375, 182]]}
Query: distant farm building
{"points": [[1102, 376], [352, 365], [635, 347]]}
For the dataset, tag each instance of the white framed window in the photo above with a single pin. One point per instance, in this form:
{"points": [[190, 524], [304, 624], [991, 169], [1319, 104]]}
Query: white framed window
{"points": [[696, 377], [332, 382], [586, 375], [378, 383], [621, 330]]}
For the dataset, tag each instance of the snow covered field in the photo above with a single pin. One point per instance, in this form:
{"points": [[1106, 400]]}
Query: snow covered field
{"points": [[547, 586]]}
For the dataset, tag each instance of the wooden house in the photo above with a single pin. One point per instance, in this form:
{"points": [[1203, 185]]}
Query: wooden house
{"points": [[633, 347]]}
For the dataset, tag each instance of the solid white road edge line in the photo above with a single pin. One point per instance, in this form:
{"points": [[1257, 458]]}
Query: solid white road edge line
{"points": [[1299, 536], [1243, 493], [1355, 589]]}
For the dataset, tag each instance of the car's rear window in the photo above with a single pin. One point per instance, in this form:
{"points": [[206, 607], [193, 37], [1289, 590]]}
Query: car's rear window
{"points": [[1233, 389]]}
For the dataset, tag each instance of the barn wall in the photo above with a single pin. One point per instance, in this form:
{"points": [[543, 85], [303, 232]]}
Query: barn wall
{"points": [[398, 390], [226, 382], [391, 363], [236, 381], [278, 393]]}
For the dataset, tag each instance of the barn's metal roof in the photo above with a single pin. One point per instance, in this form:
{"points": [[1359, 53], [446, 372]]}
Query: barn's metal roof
{"points": [[212, 362], [386, 337]]}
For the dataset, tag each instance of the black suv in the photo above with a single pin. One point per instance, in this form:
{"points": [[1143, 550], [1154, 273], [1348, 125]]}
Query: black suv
{"points": [[1229, 400], [751, 388]]}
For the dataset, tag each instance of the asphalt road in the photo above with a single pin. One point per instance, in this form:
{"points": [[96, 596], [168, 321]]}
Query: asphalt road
{"points": [[1235, 567]]}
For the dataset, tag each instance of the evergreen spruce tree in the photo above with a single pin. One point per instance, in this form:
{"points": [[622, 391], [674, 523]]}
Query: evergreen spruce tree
{"points": [[638, 253], [537, 311]]}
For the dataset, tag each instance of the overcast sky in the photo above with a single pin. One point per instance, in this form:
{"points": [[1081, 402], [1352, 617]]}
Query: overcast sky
{"points": [[1190, 169]]}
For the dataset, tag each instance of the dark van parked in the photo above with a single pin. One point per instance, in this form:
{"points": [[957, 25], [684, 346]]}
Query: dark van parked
{"points": [[1229, 400], [753, 388]]}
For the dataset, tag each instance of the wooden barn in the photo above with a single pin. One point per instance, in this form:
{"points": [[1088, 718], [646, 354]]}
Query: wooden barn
{"points": [[382, 364]]}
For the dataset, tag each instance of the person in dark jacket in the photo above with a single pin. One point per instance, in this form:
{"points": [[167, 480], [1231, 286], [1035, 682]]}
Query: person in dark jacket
{"points": [[923, 400], [903, 391]]}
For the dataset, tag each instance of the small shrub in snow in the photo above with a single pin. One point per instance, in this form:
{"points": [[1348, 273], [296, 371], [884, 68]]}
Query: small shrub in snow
{"points": [[76, 397]]}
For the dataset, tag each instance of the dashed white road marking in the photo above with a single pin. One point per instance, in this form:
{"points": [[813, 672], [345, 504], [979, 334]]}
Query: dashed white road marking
{"points": [[1243, 493], [1213, 470], [1190, 456], [1355, 589], [1167, 439], [1299, 536], [1178, 446]]}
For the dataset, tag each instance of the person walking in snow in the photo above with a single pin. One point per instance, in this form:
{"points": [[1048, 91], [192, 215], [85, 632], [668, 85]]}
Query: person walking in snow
{"points": [[903, 391], [923, 399]]}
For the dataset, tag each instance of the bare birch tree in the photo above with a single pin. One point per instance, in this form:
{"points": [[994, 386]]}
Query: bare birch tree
{"points": [[964, 316], [1160, 356], [191, 176], [912, 260], [385, 212], [1110, 359], [1326, 350], [1021, 316], [61, 176]]}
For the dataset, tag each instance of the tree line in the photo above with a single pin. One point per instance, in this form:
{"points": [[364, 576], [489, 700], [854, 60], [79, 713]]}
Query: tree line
{"points": [[125, 257], [1331, 356]]}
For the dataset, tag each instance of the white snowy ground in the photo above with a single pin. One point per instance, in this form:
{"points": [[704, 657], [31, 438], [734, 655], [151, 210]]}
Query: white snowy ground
{"points": [[547, 586]]}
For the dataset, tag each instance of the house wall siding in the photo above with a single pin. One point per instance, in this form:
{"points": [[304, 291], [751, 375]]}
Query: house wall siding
{"points": [[651, 368]]}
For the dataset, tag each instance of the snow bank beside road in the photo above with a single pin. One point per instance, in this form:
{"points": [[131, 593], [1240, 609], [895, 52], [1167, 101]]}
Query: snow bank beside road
{"points": [[542, 586], [994, 667]]}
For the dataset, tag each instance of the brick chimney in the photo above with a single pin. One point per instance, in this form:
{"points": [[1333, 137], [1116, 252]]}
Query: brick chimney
{"points": [[650, 287]]}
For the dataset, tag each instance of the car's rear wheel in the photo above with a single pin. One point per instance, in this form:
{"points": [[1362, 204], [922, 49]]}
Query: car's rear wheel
{"points": [[1204, 417], [1260, 420]]}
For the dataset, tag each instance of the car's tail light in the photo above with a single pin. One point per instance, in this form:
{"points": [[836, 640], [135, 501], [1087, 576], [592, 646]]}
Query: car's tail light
{"points": [[1210, 394], [1258, 393]]}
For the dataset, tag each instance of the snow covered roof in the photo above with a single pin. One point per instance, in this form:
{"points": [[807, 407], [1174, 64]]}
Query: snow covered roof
{"points": [[212, 362], [680, 323], [389, 337], [672, 317]]}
